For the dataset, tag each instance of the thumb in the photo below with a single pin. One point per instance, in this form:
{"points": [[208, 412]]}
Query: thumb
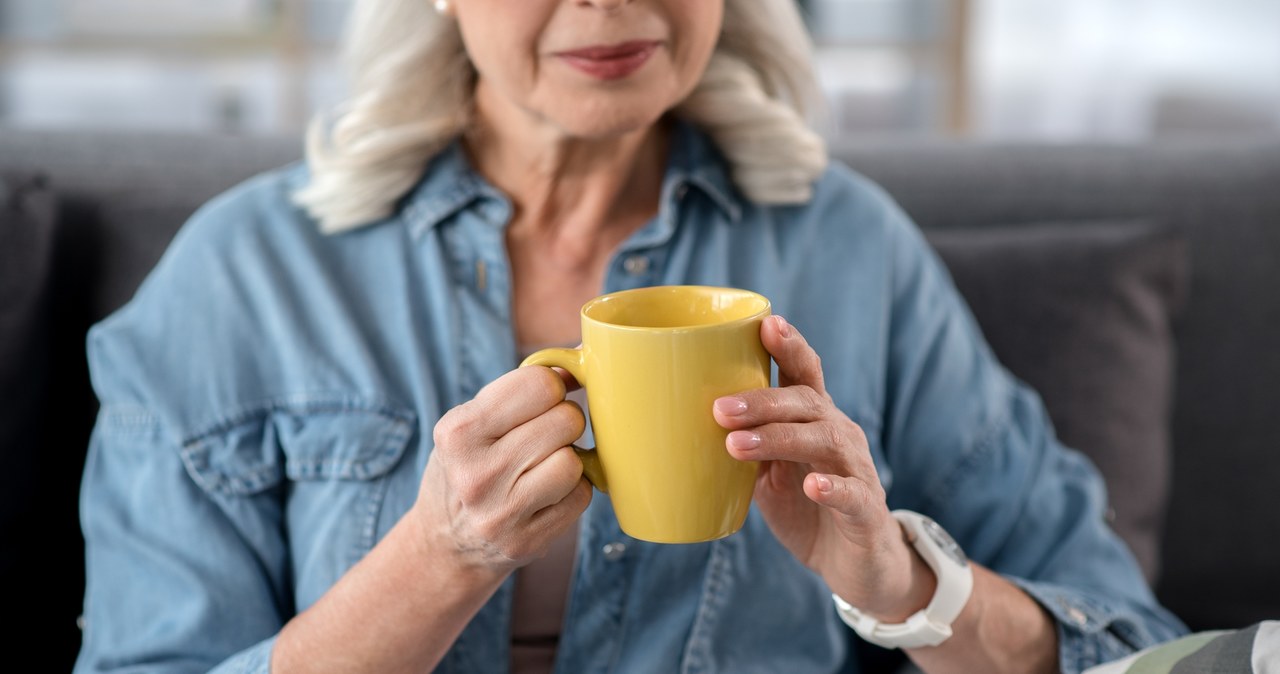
{"points": [[845, 495]]}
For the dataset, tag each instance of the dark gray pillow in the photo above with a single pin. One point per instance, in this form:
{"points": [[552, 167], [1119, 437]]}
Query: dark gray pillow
{"points": [[26, 261], [1083, 313]]}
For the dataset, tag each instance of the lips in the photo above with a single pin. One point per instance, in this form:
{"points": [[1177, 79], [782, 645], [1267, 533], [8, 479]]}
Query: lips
{"points": [[610, 62]]}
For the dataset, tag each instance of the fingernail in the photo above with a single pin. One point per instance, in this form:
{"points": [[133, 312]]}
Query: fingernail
{"points": [[731, 407], [824, 484], [744, 440], [784, 328]]}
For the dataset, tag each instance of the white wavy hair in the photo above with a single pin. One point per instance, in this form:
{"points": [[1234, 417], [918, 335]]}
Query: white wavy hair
{"points": [[412, 84]]}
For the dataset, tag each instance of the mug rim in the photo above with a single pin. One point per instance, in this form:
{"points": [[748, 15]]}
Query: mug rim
{"points": [[761, 313]]}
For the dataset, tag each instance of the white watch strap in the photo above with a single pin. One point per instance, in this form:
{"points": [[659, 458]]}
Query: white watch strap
{"points": [[932, 625]]}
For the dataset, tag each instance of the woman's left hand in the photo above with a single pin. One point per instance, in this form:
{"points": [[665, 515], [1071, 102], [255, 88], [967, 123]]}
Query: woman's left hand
{"points": [[818, 488]]}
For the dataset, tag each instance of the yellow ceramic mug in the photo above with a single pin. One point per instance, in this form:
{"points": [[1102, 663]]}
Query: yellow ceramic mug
{"points": [[653, 360]]}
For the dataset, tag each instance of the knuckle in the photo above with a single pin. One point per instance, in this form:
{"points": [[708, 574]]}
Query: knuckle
{"points": [[572, 465], [772, 403], [853, 498], [441, 436], [443, 433], [565, 470], [812, 399], [472, 491], [813, 368], [545, 384], [761, 404], [829, 434], [570, 415], [784, 434], [866, 496], [456, 427]]}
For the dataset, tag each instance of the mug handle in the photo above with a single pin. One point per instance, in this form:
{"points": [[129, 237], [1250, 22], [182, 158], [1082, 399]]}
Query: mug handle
{"points": [[571, 360]]}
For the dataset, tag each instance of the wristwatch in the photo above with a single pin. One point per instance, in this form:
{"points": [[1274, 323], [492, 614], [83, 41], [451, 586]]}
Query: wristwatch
{"points": [[931, 625]]}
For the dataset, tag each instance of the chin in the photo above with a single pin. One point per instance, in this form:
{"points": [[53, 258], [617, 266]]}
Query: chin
{"points": [[605, 115]]}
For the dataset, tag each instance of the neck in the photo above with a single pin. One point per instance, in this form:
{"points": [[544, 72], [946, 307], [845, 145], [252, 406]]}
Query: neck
{"points": [[567, 189]]}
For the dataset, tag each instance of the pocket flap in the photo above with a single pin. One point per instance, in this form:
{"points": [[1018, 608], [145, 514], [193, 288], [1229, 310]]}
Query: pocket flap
{"points": [[344, 444], [311, 441]]}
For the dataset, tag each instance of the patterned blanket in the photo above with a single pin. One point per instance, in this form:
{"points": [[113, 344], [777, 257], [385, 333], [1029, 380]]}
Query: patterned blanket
{"points": [[1252, 650]]}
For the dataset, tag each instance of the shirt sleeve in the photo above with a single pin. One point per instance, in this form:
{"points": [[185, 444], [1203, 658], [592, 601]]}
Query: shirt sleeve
{"points": [[178, 579], [182, 497], [972, 447]]}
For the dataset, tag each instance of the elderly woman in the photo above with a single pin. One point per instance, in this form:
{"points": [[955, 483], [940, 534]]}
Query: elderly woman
{"points": [[316, 453]]}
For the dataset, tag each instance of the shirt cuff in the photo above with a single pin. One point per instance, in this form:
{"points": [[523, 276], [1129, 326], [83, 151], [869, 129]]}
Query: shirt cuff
{"points": [[253, 660], [1092, 629]]}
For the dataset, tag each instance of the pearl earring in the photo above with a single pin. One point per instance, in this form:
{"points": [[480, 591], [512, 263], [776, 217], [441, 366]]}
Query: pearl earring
{"points": [[442, 7]]}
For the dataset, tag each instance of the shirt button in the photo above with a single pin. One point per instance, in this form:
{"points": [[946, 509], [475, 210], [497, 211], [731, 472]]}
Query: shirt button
{"points": [[636, 265], [614, 551], [681, 192], [1077, 616]]}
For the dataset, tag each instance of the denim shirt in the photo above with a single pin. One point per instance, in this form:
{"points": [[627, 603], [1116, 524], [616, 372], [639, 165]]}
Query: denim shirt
{"points": [[268, 399]]}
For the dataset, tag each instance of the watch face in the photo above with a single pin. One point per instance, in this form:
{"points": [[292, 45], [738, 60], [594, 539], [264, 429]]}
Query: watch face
{"points": [[944, 541]]}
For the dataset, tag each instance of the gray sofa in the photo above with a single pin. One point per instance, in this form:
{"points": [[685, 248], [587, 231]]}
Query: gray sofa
{"points": [[1136, 287]]}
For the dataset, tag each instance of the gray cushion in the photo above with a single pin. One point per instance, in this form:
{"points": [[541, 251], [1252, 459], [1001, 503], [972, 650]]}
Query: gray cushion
{"points": [[1222, 195], [124, 194], [27, 217], [1082, 312], [120, 198]]}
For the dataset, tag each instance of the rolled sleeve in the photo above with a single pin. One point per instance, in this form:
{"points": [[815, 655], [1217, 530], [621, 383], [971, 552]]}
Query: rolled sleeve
{"points": [[253, 660], [176, 579], [974, 448], [1093, 630]]}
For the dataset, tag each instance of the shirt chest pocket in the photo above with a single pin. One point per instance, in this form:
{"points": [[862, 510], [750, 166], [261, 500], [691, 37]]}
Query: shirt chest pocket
{"points": [[325, 467]]}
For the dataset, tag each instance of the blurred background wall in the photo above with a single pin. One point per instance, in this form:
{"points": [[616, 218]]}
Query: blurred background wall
{"points": [[1005, 69]]}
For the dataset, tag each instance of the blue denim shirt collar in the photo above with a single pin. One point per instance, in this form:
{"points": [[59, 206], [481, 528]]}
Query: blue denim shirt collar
{"points": [[451, 184]]}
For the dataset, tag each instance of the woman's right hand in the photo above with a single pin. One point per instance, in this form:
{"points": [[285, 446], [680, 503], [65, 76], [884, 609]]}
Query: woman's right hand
{"points": [[503, 480], [499, 486]]}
